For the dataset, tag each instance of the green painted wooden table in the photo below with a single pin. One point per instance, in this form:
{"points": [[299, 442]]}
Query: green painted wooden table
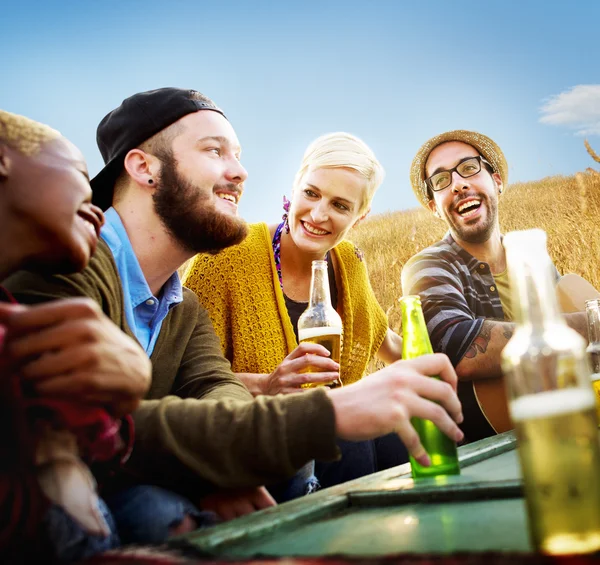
{"points": [[388, 513]]}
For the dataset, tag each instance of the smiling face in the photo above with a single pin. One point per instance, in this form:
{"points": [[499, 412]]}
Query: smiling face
{"points": [[201, 182], [469, 206], [325, 204], [208, 153], [49, 196]]}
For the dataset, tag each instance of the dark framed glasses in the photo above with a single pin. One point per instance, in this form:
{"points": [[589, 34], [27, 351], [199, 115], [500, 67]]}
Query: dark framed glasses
{"points": [[468, 167]]}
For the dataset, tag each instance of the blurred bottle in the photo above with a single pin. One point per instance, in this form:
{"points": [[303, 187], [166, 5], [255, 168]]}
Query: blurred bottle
{"points": [[552, 406], [320, 323], [592, 308], [440, 448]]}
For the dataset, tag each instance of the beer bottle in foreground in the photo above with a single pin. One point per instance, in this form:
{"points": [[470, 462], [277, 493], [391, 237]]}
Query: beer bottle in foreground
{"points": [[320, 323], [440, 448], [592, 308], [552, 406]]}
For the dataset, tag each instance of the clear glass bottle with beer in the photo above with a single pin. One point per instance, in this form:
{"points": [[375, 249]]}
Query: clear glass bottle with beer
{"points": [[592, 308], [552, 406], [320, 323], [440, 448]]}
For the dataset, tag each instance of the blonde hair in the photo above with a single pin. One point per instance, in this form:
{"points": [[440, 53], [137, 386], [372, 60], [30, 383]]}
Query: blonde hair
{"points": [[24, 135], [343, 150]]}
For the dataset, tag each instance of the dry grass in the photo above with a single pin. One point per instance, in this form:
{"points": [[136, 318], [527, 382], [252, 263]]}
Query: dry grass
{"points": [[591, 152], [567, 208]]}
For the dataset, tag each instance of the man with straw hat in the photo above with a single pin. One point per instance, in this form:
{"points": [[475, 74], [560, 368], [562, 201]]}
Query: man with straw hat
{"points": [[462, 279]]}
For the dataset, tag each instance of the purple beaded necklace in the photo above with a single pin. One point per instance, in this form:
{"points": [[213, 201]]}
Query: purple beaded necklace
{"points": [[277, 251]]}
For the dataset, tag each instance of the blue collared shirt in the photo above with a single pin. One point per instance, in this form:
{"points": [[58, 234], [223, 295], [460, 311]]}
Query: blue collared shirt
{"points": [[144, 311]]}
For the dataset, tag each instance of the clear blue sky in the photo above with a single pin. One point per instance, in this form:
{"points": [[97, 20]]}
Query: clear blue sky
{"points": [[392, 72]]}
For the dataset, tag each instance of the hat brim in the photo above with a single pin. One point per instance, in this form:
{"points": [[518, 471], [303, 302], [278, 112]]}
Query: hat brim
{"points": [[486, 147], [103, 184]]}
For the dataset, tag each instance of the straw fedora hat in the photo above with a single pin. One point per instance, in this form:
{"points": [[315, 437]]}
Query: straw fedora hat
{"points": [[486, 147]]}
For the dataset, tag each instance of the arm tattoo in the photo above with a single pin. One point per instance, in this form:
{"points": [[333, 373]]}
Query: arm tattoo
{"points": [[507, 332], [480, 343]]}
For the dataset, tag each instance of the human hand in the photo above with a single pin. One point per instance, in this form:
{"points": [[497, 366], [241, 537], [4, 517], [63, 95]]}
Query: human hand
{"points": [[69, 348], [385, 402], [288, 376], [233, 503]]}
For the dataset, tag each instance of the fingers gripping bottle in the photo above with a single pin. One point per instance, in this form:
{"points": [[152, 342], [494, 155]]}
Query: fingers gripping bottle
{"points": [[440, 448], [320, 323], [552, 406]]}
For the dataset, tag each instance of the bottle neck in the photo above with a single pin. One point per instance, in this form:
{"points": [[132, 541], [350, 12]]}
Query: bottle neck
{"points": [[592, 308], [319, 285], [415, 339], [534, 295]]}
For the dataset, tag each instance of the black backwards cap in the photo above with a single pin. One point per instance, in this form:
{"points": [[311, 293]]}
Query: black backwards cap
{"points": [[136, 120]]}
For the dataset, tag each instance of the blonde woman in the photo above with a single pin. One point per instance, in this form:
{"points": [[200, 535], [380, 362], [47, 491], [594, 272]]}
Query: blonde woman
{"points": [[256, 291]]}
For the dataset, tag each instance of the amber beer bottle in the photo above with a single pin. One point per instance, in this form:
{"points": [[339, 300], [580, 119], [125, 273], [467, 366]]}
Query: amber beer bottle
{"points": [[440, 448], [552, 406], [320, 323]]}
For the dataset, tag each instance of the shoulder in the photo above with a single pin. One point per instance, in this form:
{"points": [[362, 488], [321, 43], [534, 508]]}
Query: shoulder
{"points": [[258, 232], [256, 240], [102, 261], [190, 301], [258, 237], [441, 254], [349, 253], [99, 280], [438, 261], [190, 312], [102, 273], [229, 261]]}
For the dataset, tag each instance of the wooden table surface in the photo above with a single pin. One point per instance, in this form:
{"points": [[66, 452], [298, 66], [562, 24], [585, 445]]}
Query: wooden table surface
{"points": [[388, 513]]}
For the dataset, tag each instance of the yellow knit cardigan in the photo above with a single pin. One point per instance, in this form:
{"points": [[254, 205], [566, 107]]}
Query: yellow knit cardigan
{"points": [[240, 289]]}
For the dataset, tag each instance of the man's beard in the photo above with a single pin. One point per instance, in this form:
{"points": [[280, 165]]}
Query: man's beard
{"points": [[482, 232], [190, 216]]}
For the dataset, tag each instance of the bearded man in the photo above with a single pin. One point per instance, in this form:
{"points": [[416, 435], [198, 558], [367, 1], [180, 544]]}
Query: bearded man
{"points": [[170, 189], [463, 279], [172, 170]]}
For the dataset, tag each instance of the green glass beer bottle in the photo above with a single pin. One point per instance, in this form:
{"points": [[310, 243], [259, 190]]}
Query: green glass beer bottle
{"points": [[440, 448]]}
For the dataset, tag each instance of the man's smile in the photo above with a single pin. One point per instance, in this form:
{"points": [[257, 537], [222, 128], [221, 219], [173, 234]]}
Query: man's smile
{"points": [[231, 196], [468, 207]]}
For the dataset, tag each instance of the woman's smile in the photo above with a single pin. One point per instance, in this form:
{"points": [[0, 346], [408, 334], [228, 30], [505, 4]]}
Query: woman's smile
{"points": [[313, 230]]}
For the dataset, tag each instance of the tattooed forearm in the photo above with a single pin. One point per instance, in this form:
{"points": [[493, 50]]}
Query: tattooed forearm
{"points": [[481, 342]]}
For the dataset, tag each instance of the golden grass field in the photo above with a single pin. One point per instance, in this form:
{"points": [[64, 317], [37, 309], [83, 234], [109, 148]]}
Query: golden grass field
{"points": [[567, 208]]}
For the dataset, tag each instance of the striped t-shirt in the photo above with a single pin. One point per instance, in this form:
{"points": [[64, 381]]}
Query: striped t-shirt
{"points": [[458, 293]]}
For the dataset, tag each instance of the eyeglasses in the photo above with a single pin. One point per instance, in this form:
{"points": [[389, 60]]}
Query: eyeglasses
{"points": [[466, 168]]}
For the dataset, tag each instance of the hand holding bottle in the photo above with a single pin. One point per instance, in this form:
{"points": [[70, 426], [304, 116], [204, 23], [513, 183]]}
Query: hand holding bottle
{"points": [[387, 400], [291, 374]]}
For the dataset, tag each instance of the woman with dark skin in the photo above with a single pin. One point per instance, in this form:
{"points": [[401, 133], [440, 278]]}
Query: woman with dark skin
{"points": [[54, 371]]}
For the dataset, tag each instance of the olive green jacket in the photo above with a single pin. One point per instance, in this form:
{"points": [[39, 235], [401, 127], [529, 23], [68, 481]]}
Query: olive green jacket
{"points": [[199, 425]]}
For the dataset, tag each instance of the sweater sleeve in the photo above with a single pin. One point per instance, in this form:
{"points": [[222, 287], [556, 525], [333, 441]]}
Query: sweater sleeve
{"points": [[216, 435], [450, 322], [34, 288], [231, 443], [208, 430]]}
